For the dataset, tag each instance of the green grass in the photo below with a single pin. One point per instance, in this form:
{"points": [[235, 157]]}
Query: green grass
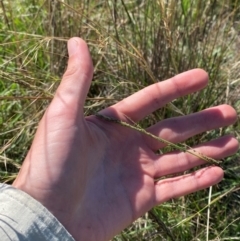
{"points": [[133, 44]]}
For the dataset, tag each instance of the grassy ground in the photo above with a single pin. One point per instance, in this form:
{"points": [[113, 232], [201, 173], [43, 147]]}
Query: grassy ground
{"points": [[133, 44]]}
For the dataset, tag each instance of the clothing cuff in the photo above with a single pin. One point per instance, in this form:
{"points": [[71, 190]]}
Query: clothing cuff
{"points": [[22, 218]]}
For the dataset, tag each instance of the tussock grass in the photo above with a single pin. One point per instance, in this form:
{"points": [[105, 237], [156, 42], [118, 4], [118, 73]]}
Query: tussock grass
{"points": [[133, 44]]}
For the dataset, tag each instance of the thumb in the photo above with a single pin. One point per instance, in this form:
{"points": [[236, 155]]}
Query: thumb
{"points": [[76, 81]]}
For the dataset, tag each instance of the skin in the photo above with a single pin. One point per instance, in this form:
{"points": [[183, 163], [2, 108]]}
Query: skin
{"points": [[96, 176]]}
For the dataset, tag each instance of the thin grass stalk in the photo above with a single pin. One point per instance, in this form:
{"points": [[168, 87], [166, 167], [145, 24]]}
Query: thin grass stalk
{"points": [[208, 213]]}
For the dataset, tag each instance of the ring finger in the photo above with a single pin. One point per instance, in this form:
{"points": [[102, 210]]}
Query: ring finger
{"points": [[176, 162]]}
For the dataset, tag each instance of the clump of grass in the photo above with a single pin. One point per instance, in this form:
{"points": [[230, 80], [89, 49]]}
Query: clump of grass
{"points": [[133, 44]]}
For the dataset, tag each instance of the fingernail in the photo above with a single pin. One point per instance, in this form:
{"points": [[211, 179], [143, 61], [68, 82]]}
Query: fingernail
{"points": [[72, 47]]}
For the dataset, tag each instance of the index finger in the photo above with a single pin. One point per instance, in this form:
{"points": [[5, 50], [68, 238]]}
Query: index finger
{"points": [[151, 98]]}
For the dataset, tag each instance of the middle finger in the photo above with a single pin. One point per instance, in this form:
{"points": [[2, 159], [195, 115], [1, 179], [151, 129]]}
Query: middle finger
{"points": [[181, 128]]}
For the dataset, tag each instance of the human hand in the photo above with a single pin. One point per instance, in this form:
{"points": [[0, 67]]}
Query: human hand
{"points": [[97, 177]]}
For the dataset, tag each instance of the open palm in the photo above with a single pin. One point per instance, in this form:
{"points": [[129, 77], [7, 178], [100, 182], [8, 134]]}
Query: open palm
{"points": [[97, 176]]}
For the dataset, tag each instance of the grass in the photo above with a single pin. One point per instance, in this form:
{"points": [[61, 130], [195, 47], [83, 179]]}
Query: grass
{"points": [[133, 44]]}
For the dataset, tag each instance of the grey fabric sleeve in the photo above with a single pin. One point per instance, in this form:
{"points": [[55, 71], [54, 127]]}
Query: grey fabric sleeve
{"points": [[22, 218]]}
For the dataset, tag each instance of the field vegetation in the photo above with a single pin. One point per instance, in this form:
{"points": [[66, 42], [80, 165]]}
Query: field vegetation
{"points": [[133, 43]]}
